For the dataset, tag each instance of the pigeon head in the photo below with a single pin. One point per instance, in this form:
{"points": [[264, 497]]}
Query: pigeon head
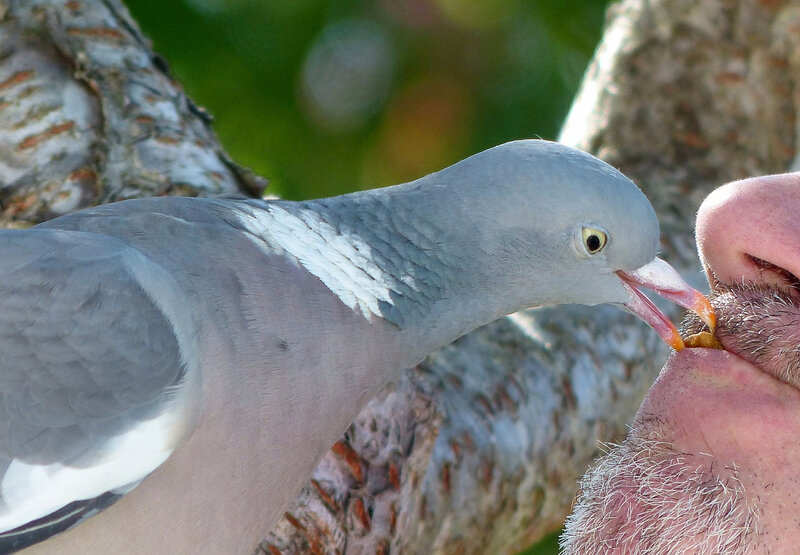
{"points": [[568, 228]]}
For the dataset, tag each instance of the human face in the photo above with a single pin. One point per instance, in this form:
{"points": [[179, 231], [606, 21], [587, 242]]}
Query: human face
{"points": [[712, 461]]}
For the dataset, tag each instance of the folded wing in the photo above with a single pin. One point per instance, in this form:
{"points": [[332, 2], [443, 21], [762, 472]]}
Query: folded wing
{"points": [[93, 377]]}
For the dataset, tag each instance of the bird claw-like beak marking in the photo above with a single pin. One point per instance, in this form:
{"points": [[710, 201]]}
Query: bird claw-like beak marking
{"points": [[662, 279]]}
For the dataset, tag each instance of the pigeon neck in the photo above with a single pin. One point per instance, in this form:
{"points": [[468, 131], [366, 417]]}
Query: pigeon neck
{"points": [[406, 254]]}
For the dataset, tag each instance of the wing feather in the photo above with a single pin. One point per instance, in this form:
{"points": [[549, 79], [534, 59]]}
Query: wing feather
{"points": [[89, 369]]}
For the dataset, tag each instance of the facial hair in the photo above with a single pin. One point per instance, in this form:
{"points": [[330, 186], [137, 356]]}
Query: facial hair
{"points": [[644, 496]]}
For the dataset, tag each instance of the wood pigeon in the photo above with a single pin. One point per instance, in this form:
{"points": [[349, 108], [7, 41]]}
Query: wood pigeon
{"points": [[172, 369]]}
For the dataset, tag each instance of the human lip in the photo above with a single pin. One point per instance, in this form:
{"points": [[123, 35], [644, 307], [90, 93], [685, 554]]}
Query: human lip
{"points": [[747, 388], [717, 400], [713, 401], [759, 325]]}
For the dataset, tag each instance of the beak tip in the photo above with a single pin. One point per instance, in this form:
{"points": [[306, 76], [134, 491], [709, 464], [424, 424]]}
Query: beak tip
{"points": [[676, 342], [712, 320], [706, 312]]}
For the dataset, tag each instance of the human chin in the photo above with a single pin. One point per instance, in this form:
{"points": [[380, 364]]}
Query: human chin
{"points": [[710, 464], [646, 496]]}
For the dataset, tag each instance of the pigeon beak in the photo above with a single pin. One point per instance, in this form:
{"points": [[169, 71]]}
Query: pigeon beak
{"points": [[662, 278]]}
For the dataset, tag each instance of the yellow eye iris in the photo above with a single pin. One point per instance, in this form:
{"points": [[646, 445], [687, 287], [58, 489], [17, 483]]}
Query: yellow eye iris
{"points": [[594, 240]]}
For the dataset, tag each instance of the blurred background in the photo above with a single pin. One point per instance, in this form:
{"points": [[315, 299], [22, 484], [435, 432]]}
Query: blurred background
{"points": [[328, 96]]}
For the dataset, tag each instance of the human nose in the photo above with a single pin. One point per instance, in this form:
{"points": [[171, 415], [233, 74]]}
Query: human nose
{"points": [[750, 231]]}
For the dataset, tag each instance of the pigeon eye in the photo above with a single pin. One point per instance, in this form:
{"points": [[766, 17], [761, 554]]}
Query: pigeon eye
{"points": [[594, 240]]}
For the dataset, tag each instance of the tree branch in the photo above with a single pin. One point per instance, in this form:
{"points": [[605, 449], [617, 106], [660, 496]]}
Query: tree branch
{"points": [[90, 114]]}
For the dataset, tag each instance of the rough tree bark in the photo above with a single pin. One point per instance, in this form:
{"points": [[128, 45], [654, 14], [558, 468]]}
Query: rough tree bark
{"points": [[477, 450]]}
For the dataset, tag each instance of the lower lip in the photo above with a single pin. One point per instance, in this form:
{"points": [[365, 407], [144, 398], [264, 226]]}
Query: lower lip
{"points": [[711, 362], [702, 391], [718, 368]]}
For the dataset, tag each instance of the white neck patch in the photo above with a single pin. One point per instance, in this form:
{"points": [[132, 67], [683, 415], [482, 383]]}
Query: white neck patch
{"points": [[343, 262]]}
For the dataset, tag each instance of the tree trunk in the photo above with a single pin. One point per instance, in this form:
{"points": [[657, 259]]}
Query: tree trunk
{"points": [[478, 449]]}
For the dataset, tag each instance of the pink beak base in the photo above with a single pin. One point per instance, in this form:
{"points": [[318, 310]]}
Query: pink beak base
{"points": [[663, 280]]}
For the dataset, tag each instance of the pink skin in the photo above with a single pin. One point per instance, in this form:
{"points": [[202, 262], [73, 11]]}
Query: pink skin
{"points": [[713, 401]]}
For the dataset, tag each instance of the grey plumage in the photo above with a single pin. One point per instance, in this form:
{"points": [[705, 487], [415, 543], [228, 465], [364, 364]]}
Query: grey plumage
{"points": [[266, 325], [80, 342]]}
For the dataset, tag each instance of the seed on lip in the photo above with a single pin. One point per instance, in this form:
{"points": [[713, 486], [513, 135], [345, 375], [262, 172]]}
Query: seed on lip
{"points": [[703, 339]]}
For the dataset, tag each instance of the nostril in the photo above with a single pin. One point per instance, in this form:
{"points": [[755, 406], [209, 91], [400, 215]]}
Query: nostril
{"points": [[786, 277]]}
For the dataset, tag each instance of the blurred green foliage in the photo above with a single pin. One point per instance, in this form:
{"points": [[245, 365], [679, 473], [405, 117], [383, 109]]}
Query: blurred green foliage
{"points": [[547, 546], [328, 96]]}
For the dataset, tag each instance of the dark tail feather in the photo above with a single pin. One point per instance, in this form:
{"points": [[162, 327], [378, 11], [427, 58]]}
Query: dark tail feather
{"points": [[58, 521]]}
